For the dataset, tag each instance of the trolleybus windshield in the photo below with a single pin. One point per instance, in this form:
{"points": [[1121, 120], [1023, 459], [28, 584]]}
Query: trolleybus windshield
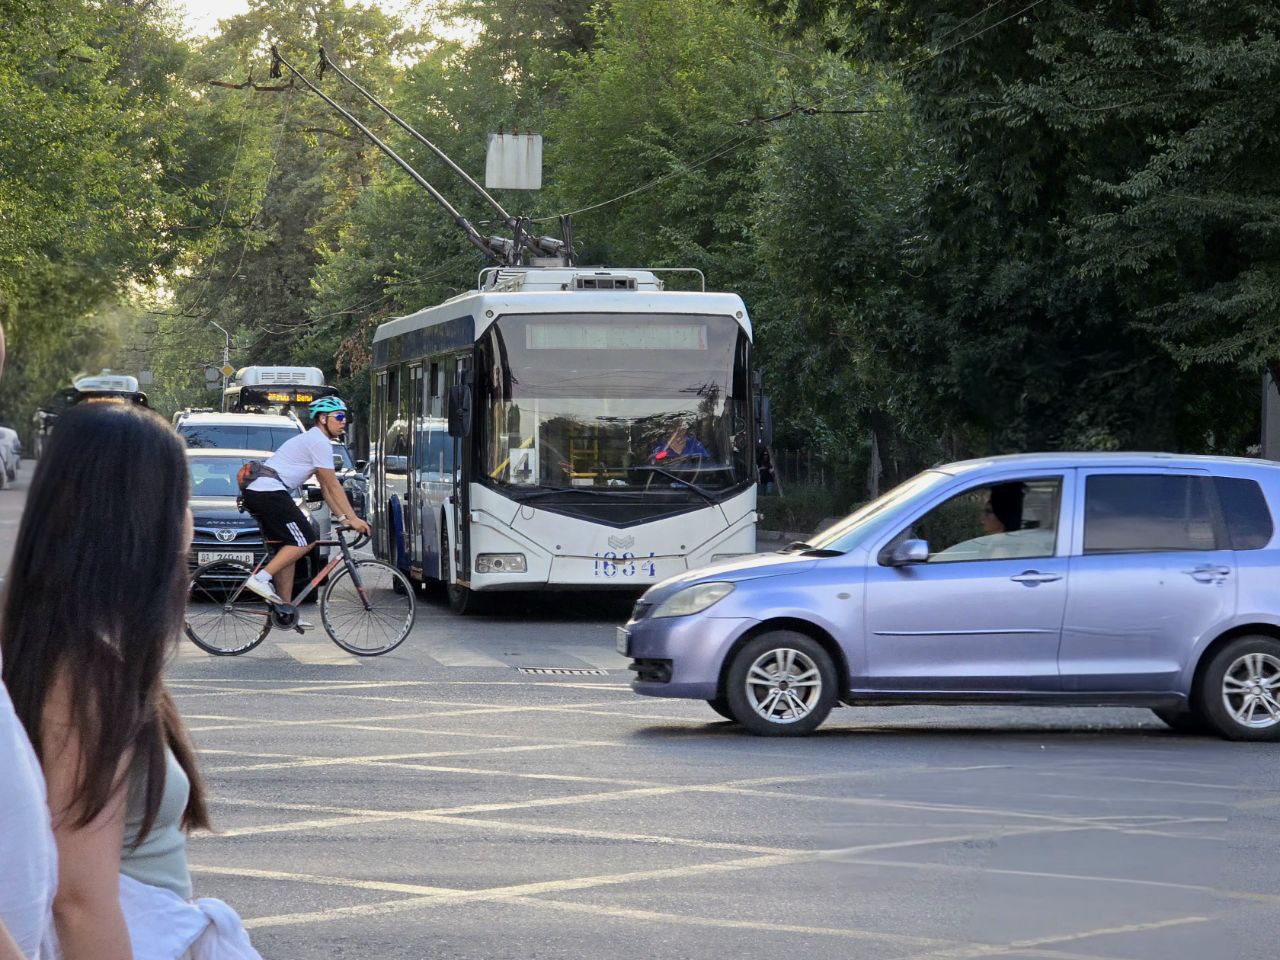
{"points": [[628, 404]]}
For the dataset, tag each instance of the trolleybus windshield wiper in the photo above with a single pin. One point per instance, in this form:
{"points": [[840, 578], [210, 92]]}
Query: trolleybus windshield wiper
{"points": [[549, 491], [681, 480]]}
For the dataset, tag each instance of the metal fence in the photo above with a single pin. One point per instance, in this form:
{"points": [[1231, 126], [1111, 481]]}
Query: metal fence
{"points": [[801, 468]]}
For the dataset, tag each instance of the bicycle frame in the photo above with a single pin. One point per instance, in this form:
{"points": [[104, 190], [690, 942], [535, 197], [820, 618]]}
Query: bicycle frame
{"points": [[333, 564]]}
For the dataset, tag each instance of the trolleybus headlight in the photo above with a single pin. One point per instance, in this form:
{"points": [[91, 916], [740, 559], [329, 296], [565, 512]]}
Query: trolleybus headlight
{"points": [[693, 599], [500, 563]]}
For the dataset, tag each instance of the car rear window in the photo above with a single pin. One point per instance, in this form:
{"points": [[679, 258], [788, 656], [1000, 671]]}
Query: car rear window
{"points": [[1142, 513], [1244, 509], [228, 436]]}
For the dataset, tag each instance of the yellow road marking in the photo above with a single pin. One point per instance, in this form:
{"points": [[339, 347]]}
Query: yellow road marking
{"points": [[537, 888], [1086, 878], [319, 654], [1022, 946], [358, 761]]}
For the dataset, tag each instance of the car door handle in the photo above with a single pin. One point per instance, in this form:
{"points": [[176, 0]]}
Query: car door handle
{"points": [[1032, 577], [1208, 573]]}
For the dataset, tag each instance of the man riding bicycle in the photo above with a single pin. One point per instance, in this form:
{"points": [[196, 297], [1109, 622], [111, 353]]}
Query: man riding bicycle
{"points": [[268, 499]]}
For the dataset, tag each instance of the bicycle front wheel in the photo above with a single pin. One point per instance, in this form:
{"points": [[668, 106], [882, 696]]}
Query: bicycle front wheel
{"points": [[368, 608], [223, 618]]}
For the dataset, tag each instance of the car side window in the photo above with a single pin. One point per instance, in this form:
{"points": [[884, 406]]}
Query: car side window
{"points": [[1015, 519], [1245, 513], [1145, 513]]}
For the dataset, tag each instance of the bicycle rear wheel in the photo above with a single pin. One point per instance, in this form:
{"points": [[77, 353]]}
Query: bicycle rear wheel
{"points": [[372, 628], [223, 618]]}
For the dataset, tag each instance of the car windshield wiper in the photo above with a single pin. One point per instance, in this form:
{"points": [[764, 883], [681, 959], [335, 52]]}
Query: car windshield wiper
{"points": [[681, 480], [809, 550]]}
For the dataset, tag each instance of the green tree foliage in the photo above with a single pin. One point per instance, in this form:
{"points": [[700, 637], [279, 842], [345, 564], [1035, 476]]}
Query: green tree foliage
{"points": [[283, 173], [91, 185], [657, 104], [1102, 231], [960, 227]]}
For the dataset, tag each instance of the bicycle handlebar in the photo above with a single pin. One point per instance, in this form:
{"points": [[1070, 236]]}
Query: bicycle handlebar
{"points": [[358, 542]]}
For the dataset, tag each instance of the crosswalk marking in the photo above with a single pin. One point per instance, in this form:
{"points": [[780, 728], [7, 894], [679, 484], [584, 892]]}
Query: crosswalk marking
{"points": [[318, 650], [319, 654]]}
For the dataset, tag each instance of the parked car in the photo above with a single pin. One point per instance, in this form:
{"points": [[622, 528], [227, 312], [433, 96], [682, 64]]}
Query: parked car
{"points": [[1144, 580], [222, 529]]}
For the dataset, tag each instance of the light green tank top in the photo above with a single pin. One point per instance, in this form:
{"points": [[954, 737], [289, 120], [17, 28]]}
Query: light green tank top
{"points": [[161, 858]]}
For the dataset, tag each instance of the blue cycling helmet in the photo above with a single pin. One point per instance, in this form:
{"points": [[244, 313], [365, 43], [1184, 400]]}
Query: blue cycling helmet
{"points": [[326, 405]]}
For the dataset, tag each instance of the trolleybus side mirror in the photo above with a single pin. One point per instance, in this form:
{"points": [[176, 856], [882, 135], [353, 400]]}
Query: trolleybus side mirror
{"points": [[460, 410], [764, 423]]}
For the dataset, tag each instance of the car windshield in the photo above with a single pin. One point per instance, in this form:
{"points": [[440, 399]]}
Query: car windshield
{"points": [[216, 476], [342, 458], [236, 436], [849, 532], [622, 404]]}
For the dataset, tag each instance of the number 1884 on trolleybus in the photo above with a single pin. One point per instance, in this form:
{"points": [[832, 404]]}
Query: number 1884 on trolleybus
{"points": [[563, 428]]}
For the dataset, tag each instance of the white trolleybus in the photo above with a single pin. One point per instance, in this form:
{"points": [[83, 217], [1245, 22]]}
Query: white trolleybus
{"points": [[563, 427]]}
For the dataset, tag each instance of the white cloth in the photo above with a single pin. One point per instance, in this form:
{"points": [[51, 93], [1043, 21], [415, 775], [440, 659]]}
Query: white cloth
{"points": [[28, 858], [296, 460], [163, 926]]}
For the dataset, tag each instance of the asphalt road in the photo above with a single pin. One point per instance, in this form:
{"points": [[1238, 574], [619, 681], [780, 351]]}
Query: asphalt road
{"points": [[440, 802]]}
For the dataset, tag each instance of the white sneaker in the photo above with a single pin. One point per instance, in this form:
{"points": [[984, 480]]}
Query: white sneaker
{"points": [[264, 589]]}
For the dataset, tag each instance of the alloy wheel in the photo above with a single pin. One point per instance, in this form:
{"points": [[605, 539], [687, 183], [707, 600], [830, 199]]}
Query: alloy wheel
{"points": [[1251, 690], [783, 685]]}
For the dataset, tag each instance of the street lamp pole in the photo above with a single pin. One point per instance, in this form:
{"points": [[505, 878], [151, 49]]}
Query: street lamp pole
{"points": [[226, 360]]}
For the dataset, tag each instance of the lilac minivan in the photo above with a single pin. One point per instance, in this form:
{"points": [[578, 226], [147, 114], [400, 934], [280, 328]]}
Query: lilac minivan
{"points": [[1146, 580]]}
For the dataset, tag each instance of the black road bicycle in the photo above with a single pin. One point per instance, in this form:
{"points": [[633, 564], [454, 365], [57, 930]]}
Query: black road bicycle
{"points": [[367, 607]]}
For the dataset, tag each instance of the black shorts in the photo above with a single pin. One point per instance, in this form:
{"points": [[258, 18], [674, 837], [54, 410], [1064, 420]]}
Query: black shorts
{"points": [[280, 517]]}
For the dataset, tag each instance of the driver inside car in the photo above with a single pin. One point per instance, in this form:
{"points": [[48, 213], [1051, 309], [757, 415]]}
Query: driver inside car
{"points": [[1006, 535]]}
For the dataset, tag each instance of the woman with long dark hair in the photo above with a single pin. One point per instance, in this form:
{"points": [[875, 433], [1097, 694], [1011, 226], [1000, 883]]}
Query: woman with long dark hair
{"points": [[94, 604]]}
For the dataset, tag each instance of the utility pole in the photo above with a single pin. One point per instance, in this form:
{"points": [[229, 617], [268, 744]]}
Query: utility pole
{"points": [[227, 369]]}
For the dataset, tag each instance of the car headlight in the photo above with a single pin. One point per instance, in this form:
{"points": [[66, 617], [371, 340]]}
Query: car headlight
{"points": [[693, 599]]}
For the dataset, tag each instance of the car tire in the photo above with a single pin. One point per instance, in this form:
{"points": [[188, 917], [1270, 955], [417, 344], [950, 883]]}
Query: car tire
{"points": [[1239, 694], [766, 671], [721, 706], [1183, 721]]}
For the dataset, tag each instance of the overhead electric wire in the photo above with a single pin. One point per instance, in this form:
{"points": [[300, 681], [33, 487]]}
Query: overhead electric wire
{"points": [[473, 236], [327, 64]]}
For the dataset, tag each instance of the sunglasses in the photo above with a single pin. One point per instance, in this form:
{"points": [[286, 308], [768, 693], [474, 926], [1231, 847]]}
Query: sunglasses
{"points": [[340, 417]]}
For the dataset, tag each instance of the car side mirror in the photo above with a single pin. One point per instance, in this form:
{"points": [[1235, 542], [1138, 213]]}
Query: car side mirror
{"points": [[460, 410], [906, 553], [314, 495], [360, 465]]}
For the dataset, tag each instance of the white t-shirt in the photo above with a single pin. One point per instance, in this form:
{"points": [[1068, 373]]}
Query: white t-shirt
{"points": [[296, 460], [29, 876]]}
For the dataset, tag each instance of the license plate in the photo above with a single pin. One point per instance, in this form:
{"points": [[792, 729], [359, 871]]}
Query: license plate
{"points": [[204, 557], [624, 641]]}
